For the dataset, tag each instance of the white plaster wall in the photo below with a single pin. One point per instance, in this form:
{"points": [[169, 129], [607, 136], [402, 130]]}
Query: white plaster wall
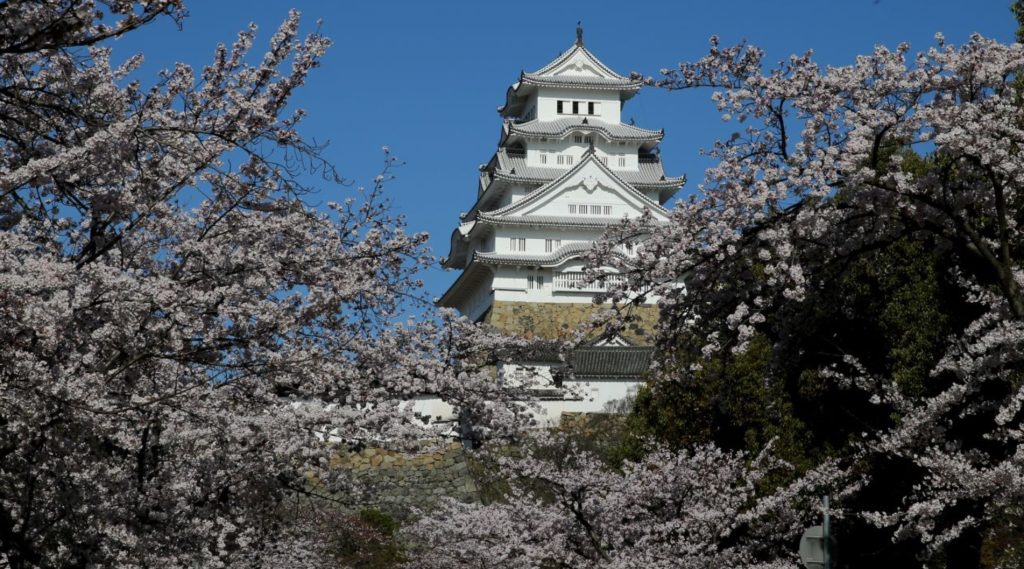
{"points": [[597, 396], [511, 284], [583, 397], [609, 111], [535, 237], [568, 145]]}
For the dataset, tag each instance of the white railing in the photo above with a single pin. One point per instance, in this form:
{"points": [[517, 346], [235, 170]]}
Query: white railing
{"points": [[570, 281]]}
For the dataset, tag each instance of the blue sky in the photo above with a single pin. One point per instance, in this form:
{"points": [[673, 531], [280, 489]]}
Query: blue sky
{"points": [[425, 78]]}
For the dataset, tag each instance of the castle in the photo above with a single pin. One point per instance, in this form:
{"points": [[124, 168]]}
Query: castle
{"points": [[566, 168]]}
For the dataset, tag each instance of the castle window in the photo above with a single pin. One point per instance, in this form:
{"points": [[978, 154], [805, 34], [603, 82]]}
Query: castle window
{"points": [[561, 107], [591, 108], [543, 157], [572, 208], [565, 159], [575, 107], [578, 139], [607, 210], [551, 245], [517, 244], [622, 161]]}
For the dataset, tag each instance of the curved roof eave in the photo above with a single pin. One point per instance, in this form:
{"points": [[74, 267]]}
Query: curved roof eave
{"points": [[553, 259], [472, 271], [565, 127]]}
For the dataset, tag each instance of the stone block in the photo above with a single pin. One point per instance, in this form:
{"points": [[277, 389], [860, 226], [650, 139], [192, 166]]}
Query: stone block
{"points": [[557, 321]]}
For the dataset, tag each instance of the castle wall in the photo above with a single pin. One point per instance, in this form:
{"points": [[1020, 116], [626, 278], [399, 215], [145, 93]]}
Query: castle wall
{"points": [[396, 482], [557, 321], [547, 104]]}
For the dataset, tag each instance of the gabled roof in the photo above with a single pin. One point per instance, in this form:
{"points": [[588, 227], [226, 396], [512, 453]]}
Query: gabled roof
{"points": [[575, 68], [511, 168], [578, 52], [589, 158]]}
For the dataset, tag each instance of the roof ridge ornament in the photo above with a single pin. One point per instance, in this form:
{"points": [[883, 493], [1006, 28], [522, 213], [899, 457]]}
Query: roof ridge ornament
{"points": [[579, 33]]}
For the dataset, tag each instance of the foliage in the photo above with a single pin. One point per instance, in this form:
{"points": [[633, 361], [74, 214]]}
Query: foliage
{"points": [[566, 507], [733, 400], [368, 542], [181, 329], [865, 221]]}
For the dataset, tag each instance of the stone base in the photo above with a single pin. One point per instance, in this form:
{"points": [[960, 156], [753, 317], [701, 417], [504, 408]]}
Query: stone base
{"points": [[558, 321], [396, 482]]}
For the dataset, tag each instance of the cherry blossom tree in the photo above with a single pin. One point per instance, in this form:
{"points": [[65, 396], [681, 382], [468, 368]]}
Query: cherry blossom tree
{"points": [[180, 328], [826, 166], [564, 507]]}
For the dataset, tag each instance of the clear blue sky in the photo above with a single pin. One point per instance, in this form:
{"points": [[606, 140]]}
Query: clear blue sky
{"points": [[425, 77]]}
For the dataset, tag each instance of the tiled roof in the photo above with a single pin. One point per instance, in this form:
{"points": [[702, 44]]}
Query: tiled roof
{"points": [[610, 362], [473, 274], [554, 258], [513, 167], [580, 82], [597, 362], [562, 127], [560, 220], [627, 86]]}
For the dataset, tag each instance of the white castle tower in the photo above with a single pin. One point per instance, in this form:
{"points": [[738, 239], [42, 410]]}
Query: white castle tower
{"points": [[565, 169]]}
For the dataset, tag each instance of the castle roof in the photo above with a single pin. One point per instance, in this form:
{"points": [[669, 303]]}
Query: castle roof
{"points": [[575, 68], [563, 127], [512, 166], [592, 363], [553, 259], [588, 158]]}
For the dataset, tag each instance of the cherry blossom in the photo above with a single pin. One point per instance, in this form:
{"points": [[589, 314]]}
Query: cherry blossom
{"points": [[827, 164], [182, 331]]}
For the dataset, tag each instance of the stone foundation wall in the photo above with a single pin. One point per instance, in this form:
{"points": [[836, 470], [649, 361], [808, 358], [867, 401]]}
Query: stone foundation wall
{"points": [[557, 321], [396, 482]]}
